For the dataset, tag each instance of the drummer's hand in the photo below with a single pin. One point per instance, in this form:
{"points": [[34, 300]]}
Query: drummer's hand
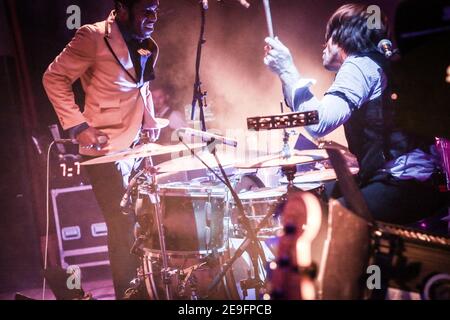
{"points": [[92, 138], [278, 57]]}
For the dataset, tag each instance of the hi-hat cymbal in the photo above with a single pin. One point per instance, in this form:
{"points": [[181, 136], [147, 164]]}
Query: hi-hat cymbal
{"points": [[142, 151], [297, 157], [191, 163], [317, 176]]}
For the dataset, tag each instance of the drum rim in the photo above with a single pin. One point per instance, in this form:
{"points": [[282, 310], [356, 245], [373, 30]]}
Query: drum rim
{"points": [[155, 253], [188, 191]]}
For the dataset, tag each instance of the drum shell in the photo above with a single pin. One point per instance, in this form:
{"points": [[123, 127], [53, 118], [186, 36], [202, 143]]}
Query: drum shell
{"points": [[259, 203], [193, 221]]}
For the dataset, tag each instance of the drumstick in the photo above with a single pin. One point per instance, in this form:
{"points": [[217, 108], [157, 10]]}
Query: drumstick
{"points": [[268, 18]]}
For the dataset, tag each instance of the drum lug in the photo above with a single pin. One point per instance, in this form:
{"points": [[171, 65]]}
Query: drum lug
{"points": [[207, 237]]}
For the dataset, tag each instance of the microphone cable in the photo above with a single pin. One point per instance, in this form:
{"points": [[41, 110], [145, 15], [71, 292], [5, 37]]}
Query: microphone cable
{"points": [[47, 218]]}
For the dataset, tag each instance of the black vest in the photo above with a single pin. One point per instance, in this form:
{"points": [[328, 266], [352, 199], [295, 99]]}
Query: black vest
{"points": [[372, 134]]}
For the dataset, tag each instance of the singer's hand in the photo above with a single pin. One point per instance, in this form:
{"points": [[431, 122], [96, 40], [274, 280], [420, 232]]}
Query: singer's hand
{"points": [[91, 138], [278, 57]]}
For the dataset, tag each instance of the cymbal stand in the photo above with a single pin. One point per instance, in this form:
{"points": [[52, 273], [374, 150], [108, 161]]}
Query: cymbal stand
{"points": [[256, 249], [155, 200], [286, 151], [257, 282], [289, 172], [251, 244]]}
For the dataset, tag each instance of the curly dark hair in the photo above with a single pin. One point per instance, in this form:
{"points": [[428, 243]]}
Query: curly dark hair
{"points": [[349, 28], [126, 3]]}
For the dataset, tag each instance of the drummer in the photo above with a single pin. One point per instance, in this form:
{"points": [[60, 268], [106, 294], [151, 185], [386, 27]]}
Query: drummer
{"points": [[163, 100], [397, 180], [115, 61]]}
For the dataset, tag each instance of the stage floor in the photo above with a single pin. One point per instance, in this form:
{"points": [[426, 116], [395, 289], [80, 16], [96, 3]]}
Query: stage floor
{"points": [[95, 280]]}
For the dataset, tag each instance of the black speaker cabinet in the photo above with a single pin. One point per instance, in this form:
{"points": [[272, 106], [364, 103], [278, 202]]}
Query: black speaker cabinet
{"points": [[81, 229], [414, 263], [344, 256]]}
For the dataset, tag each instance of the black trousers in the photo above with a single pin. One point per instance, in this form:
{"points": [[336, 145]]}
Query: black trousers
{"points": [[398, 201], [108, 185]]}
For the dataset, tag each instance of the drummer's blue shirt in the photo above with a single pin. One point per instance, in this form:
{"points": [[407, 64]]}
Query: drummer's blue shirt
{"points": [[358, 81]]}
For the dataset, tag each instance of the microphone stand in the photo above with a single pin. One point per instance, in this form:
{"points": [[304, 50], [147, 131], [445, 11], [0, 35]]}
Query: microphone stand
{"points": [[199, 97]]}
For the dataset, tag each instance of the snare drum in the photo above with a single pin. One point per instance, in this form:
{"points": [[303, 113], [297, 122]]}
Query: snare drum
{"points": [[193, 215]]}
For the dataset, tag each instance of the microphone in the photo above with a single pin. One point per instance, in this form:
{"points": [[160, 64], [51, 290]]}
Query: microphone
{"points": [[205, 4], [385, 47], [126, 197], [206, 137]]}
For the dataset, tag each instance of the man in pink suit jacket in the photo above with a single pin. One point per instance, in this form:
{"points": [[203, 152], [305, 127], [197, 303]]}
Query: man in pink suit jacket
{"points": [[115, 61]]}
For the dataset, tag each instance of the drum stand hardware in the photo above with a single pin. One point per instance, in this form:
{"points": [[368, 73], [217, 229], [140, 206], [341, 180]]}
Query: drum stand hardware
{"points": [[156, 201], [251, 244], [186, 276], [250, 283], [150, 173]]}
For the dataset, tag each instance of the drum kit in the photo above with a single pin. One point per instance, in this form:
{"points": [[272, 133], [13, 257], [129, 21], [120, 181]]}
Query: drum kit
{"points": [[210, 237]]}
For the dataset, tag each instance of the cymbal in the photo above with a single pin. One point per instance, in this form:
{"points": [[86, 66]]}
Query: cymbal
{"points": [[191, 163], [276, 192], [297, 157], [317, 176], [141, 151]]}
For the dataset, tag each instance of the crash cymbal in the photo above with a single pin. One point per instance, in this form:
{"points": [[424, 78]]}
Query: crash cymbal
{"points": [[316, 176], [297, 157], [190, 163], [141, 151]]}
